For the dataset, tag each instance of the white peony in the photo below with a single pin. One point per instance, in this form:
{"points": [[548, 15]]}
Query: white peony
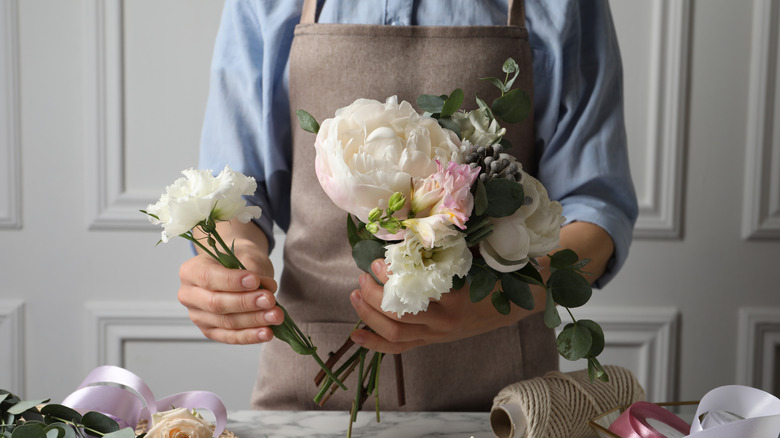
{"points": [[370, 150], [419, 274], [532, 231], [199, 196], [179, 423]]}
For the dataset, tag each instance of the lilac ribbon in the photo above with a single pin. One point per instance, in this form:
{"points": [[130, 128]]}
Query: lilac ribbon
{"points": [[633, 423], [123, 396]]}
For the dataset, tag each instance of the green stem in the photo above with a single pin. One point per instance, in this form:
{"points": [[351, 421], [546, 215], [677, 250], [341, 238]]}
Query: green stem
{"points": [[328, 371]]}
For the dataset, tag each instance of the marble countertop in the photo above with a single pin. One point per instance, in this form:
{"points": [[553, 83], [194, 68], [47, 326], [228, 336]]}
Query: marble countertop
{"points": [[284, 424]]}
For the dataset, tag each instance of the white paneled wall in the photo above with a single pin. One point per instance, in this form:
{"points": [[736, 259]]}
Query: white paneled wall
{"points": [[101, 103], [10, 146]]}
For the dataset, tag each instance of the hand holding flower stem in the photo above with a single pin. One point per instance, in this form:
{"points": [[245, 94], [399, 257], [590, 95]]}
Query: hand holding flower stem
{"points": [[199, 201]]}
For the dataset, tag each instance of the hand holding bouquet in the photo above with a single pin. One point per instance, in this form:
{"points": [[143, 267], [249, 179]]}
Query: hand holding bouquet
{"points": [[437, 197]]}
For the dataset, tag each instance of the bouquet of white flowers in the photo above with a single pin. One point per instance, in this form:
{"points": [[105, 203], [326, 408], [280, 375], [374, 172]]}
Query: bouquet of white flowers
{"points": [[436, 196]]}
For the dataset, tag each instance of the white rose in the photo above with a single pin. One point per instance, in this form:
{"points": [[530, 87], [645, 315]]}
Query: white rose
{"points": [[199, 195], [370, 150], [477, 127], [179, 423], [418, 274], [532, 231]]}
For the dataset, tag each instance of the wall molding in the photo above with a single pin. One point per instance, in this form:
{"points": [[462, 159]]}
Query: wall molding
{"points": [[761, 207], [758, 338], [12, 337], [10, 143], [661, 217], [110, 324], [653, 333], [112, 205]]}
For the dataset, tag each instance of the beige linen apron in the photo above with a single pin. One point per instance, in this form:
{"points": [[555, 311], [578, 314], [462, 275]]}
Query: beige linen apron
{"points": [[331, 65]]}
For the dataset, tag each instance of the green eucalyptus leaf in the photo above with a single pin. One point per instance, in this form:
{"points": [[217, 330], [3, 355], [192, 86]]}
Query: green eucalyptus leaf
{"points": [[55, 432], [512, 107], [430, 103], [458, 282], [596, 371], [504, 197], [121, 433], [551, 317], [480, 198], [29, 430], [569, 289], [3, 396], [307, 121], [481, 283], [597, 335], [62, 430], [56, 412], [453, 103], [510, 66], [574, 341], [365, 252], [562, 259], [99, 422], [530, 274], [353, 235], [23, 406], [451, 125], [517, 291], [501, 302], [497, 82], [482, 104]]}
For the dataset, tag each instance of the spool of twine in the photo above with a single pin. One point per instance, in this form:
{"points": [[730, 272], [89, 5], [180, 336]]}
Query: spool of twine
{"points": [[559, 405]]}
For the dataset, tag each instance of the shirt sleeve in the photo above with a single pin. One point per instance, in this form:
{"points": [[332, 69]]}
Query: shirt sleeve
{"points": [[247, 124], [579, 118]]}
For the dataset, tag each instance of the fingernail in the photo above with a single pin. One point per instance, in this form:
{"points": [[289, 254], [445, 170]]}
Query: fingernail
{"points": [[263, 302], [272, 318], [249, 282], [263, 335], [355, 297], [377, 266], [358, 337]]}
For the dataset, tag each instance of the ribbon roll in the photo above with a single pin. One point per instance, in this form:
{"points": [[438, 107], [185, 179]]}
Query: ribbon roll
{"points": [[753, 413], [132, 400], [648, 420]]}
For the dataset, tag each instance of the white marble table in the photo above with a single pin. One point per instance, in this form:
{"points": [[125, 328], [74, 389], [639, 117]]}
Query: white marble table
{"points": [[284, 424]]}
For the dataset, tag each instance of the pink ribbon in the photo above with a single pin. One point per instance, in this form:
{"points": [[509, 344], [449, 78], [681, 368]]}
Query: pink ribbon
{"points": [[632, 423], [123, 396]]}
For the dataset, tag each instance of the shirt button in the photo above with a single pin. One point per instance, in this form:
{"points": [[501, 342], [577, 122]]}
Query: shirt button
{"points": [[398, 23]]}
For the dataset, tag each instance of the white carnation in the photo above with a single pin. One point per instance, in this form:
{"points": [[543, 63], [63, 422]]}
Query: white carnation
{"points": [[199, 196], [419, 274]]}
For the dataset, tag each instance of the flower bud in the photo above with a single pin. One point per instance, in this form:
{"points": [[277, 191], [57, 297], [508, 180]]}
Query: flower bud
{"points": [[372, 227], [392, 225], [396, 202], [375, 214]]}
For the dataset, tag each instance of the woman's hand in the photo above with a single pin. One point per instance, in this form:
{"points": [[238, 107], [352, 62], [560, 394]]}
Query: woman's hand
{"points": [[451, 318], [233, 306]]}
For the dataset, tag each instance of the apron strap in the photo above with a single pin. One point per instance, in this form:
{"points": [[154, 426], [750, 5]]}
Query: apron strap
{"points": [[309, 12], [515, 17]]}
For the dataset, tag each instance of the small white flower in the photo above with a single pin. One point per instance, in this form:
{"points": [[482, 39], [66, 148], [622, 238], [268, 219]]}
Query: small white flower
{"points": [[179, 423], [199, 195], [419, 274]]}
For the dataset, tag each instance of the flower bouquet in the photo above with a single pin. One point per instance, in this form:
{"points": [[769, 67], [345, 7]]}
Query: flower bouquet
{"points": [[438, 198]]}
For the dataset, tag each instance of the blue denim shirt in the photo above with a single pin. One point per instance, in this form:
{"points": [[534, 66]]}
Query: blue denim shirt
{"points": [[578, 92]]}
